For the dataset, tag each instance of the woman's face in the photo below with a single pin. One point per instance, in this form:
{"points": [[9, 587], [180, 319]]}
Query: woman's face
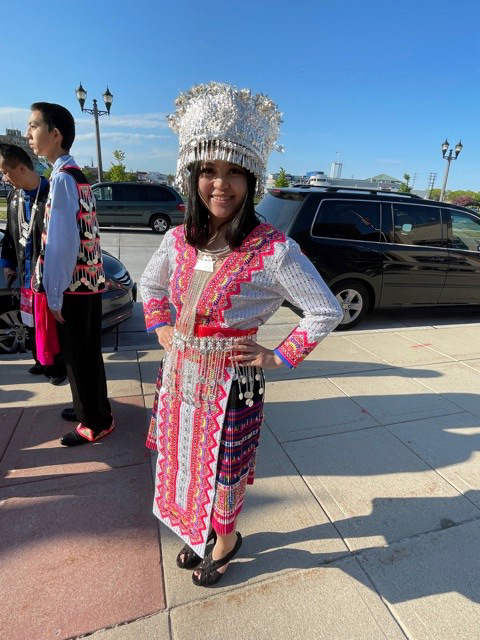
{"points": [[222, 186]]}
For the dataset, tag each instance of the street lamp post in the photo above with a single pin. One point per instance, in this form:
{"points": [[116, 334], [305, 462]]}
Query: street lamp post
{"points": [[449, 157], [96, 112]]}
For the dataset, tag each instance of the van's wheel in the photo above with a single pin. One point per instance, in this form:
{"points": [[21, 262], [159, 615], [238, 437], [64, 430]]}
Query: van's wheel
{"points": [[160, 224], [354, 299], [13, 333]]}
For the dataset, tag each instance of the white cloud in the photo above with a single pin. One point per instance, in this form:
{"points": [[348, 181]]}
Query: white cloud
{"points": [[132, 121], [13, 118], [16, 118], [144, 137], [120, 136]]}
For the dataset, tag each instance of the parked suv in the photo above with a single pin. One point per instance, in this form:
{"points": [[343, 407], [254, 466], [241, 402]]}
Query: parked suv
{"points": [[137, 203], [378, 249]]}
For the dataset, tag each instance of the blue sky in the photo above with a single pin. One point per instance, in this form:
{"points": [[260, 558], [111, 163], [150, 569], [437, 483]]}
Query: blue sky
{"points": [[375, 84]]}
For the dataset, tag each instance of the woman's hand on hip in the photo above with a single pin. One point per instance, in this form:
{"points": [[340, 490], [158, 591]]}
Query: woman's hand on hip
{"points": [[165, 336], [251, 354]]}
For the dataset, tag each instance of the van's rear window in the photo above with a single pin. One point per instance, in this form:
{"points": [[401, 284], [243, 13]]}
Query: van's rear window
{"points": [[280, 207]]}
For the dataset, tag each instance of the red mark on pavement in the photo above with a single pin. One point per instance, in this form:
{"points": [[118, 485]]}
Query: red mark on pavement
{"points": [[417, 346]]}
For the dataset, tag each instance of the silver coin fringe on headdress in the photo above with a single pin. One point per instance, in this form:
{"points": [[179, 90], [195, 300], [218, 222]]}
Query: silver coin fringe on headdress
{"points": [[217, 121]]}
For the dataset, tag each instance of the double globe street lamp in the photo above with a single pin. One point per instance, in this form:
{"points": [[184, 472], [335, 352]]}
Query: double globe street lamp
{"points": [[96, 112], [449, 157]]}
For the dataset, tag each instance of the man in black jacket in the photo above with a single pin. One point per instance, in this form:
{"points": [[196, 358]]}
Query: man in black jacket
{"points": [[21, 243]]}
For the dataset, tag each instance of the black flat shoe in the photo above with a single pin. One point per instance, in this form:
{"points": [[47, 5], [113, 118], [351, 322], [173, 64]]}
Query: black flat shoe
{"points": [[69, 414], [209, 574], [57, 380], [187, 558], [37, 369]]}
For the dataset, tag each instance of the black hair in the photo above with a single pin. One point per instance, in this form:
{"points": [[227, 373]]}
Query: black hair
{"points": [[57, 117], [13, 156], [197, 217]]}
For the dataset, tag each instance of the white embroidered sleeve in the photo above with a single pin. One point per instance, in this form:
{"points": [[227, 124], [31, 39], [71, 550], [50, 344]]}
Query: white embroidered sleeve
{"points": [[155, 287], [299, 282]]}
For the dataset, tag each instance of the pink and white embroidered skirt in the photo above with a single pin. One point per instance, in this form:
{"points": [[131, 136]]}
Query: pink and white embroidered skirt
{"points": [[206, 456]]}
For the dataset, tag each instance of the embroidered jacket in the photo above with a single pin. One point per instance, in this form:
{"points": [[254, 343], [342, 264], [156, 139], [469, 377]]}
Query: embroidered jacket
{"points": [[249, 287], [88, 274], [23, 258]]}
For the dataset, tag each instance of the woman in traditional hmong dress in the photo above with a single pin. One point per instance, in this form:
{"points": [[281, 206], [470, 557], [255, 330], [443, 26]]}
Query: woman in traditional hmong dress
{"points": [[225, 273]]}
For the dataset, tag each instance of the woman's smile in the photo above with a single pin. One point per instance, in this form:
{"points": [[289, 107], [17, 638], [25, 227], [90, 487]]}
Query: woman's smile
{"points": [[222, 186]]}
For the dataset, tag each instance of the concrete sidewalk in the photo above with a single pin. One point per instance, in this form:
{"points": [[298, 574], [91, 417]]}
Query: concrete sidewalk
{"points": [[363, 522]]}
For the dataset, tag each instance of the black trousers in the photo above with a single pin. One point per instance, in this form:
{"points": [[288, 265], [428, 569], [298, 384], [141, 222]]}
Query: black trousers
{"points": [[80, 343]]}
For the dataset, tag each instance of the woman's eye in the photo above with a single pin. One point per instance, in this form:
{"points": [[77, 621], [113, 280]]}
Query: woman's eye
{"points": [[237, 171]]}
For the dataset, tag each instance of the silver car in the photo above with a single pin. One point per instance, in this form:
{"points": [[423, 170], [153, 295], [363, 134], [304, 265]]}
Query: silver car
{"points": [[117, 304]]}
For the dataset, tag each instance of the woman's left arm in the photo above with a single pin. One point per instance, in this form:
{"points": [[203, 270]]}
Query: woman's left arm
{"points": [[299, 282]]}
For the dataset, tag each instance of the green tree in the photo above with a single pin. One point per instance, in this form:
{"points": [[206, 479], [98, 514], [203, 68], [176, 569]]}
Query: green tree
{"points": [[435, 194], [405, 186], [90, 175], [461, 195], [118, 171], [281, 179]]}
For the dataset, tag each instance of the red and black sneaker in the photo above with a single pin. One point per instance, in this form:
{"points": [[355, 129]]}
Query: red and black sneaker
{"points": [[84, 435]]}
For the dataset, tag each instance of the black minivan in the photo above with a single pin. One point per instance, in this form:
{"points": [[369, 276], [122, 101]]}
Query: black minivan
{"points": [[380, 249]]}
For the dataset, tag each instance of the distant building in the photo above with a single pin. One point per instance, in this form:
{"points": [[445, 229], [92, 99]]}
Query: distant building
{"points": [[336, 170], [387, 181], [320, 179], [382, 181], [270, 183], [152, 176]]}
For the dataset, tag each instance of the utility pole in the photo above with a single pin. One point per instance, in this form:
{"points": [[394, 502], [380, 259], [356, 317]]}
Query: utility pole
{"points": [[431, 181]]}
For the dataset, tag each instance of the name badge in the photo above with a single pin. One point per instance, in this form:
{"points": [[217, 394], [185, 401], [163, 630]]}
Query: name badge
{"points": [[204, 264]]}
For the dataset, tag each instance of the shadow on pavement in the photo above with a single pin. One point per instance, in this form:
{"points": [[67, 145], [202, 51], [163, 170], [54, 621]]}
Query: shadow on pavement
{"points": [[71, 508]]}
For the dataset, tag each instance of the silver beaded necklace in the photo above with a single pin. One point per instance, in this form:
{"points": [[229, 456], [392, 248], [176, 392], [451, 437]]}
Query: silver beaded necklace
{"points": [[202, 271], [24, 227]]}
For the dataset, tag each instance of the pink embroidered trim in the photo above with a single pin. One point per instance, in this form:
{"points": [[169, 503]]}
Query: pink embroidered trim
{"points": [[89, 435], [185, 261], [296, 347], [156, 312], [238, 268]]}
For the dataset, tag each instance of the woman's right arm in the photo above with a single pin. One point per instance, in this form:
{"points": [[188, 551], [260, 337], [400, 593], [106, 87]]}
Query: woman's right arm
{"points": [[154, 289]]}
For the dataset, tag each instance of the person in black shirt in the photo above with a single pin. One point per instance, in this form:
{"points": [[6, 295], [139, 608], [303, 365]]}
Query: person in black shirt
{"points": [[21, 242]]}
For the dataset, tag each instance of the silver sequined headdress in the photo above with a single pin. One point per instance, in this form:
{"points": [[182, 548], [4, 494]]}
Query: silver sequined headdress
{"points": [[217, 121]]}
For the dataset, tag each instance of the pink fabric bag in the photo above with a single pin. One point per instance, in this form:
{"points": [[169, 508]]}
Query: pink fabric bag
{"points": [[46, 337], [26, 306]]}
